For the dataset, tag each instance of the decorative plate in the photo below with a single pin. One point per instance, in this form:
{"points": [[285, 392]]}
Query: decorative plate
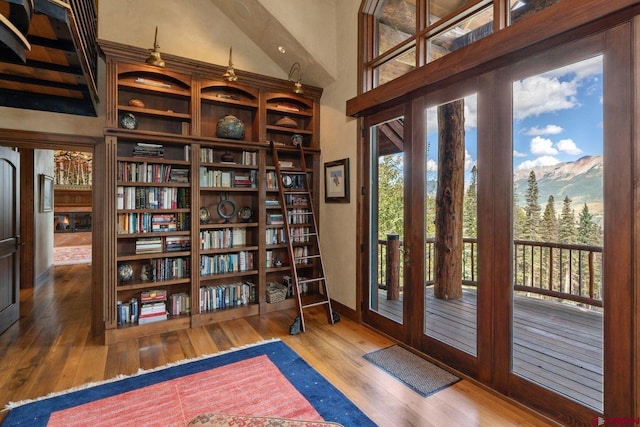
{"points": [[245, 214], [129, 121], [287, 181], [205, 215], [226, 209]]}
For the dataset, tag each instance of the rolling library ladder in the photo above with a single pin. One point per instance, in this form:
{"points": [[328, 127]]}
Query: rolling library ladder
{"points": [[301, 230]]}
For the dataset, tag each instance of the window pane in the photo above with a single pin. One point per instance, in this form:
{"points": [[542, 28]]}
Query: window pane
{"points": [[439, 9], [387, 219], [450, 306], [395, 68], [396, 22], [466, 32], [558, 208], [521, 8]]}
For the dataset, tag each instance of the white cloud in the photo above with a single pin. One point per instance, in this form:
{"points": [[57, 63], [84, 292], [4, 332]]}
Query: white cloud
{"points": [[547, 130], [432, 165], [468, 161], [516, 153], [542, 147], [539, 94], [568, 146], [540, 161], [582, 70]]}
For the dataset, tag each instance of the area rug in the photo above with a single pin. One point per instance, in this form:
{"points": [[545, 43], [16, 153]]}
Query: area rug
{"points": [[420, 375], [67, 255], [264, 380]]}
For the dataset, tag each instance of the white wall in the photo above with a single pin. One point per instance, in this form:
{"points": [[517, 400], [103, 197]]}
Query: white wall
{"points": [[338, 135]]}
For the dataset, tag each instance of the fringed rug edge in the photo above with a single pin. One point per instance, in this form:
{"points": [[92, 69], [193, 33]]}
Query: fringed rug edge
{"points": [[13, 405]]}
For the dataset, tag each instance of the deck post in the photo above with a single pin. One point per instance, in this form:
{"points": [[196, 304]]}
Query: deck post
{"points": [[393, 267]]}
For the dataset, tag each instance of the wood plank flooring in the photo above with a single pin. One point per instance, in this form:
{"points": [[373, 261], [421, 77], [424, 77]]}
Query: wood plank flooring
{"points": [[50, 349]]}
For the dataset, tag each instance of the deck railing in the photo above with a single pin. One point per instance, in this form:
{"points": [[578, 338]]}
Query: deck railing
{"points": [[569, 272]]}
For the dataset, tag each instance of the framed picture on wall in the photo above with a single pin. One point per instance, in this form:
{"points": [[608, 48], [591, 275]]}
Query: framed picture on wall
{"points": [[336, 181], [46, 193]]}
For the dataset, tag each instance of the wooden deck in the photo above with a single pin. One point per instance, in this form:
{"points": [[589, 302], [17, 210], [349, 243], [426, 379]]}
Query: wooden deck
{"points": [[558, 346]]}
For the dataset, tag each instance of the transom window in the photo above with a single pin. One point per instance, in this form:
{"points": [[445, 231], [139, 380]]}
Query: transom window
{"points": [[401, 35]]}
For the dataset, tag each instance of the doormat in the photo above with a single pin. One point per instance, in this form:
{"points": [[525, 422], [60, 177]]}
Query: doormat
{"points": [[420, 375]]}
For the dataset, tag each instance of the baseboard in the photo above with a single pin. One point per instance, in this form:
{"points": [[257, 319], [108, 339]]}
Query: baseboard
{"points": [[44, 276]]}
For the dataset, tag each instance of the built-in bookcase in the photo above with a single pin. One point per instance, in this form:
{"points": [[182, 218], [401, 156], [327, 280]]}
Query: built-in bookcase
{"points": [[197, 227]]}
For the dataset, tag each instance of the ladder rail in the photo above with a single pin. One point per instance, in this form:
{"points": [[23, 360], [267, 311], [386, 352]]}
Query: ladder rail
{"points": [[311, 221]]}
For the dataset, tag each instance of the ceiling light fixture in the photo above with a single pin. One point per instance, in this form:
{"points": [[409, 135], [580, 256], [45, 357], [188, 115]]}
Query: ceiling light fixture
{"points": [[154, 58], [230, 74], [297, 86]]}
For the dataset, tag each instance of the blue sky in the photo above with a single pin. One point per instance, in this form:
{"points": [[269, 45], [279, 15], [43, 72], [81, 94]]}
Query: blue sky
{"points": [[557, 118]]}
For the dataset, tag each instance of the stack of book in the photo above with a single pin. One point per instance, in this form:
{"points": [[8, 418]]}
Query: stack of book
{"points": [[145, 149], [163, 222], [177, 243], [151, 245], [153, 306], [179, 175]]}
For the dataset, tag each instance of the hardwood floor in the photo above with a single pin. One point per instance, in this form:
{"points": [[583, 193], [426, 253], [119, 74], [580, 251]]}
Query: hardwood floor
{"points": [[50, 349]]}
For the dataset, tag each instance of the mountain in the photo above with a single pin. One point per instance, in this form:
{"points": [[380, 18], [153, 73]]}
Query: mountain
{"points": [[580, 180]]}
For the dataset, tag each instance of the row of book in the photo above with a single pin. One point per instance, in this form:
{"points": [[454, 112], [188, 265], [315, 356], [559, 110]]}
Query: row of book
{"points": [[276, 236], [227, 296], [152, 197], [224, 178], [299, 216], [210, 155], [227, 263], [179, 303], [150, 172], [130, 223], [223, 239], [296, 200], [162, 269]]}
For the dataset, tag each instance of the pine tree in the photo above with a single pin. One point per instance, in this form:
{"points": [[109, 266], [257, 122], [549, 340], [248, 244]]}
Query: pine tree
{"points": [[587, 228], [532, 209], [549, 225], [470, 220], [390, 196], [567, 225]]}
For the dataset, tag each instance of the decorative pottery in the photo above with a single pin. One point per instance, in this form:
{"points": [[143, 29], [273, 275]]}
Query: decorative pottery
{"points": [[230, 127], [125, 272], [226, 157]]}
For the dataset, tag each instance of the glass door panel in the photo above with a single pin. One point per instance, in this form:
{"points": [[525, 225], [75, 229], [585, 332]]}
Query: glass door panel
{"points": [[450, 218], [387, 219], [558, 206]]}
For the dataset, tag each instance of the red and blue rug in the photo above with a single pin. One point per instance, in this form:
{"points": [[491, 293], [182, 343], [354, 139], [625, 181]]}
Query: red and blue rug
{"points": [[267, 380]]}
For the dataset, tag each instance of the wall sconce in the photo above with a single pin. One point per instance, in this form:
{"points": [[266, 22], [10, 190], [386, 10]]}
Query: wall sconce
{"points": [[154, 58], [230, 74], [297, 86]]}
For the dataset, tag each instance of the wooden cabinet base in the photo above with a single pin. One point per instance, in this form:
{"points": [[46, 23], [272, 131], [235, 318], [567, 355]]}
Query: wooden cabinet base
{"points": [[136, 331]]}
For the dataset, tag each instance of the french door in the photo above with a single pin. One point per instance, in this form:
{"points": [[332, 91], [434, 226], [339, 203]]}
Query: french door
{"points": [[500, 220]]}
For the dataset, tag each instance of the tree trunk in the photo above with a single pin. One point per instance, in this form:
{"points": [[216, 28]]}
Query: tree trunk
{"points": [[449, 201]]}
